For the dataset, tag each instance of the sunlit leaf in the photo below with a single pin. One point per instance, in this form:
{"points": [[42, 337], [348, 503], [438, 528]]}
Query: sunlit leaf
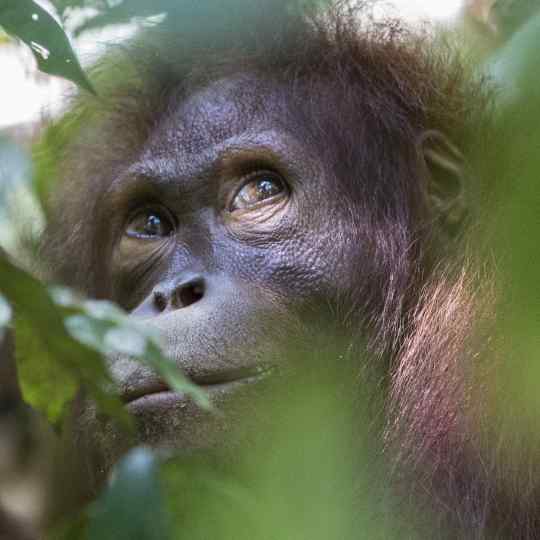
{"points": [[86, 330], [39, 30], [4, 38], [125, 341], [103, 310]]}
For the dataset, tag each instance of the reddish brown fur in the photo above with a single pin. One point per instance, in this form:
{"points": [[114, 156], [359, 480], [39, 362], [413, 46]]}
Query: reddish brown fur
{"points": [[445, 429]]}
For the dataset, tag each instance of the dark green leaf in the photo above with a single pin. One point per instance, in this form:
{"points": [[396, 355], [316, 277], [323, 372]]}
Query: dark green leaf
{"points": [[133, 506], [38, 29]]}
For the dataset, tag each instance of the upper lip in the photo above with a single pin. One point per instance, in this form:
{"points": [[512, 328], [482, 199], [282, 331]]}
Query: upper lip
{"points": [[157, 385]]}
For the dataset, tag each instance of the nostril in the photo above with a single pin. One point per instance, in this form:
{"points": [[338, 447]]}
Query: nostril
{"points": [[160, 301], [180, 295], [189, 293]]}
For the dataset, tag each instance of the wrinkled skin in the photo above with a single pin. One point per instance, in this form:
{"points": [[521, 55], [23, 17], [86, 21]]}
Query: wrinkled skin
{"points": [[236, 293], [229, 291]]}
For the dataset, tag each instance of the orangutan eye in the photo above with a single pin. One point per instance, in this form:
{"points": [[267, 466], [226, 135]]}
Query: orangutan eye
{"points": [[149, 224], [262, 186]]}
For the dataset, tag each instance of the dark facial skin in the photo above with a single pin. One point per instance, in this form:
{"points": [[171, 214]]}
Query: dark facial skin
{"points": [[224, 235]]}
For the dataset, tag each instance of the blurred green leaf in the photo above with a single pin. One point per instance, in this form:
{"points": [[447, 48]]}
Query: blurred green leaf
{"points": [[38, 29], [218, 505], [305, 476], [63, 5], [103, 326], [510, 15], [5, 313], [44, 381], [15, 168], [133, 506], [515, 66], [44, 347], [15, 193], [70, 528], [516, 229]]}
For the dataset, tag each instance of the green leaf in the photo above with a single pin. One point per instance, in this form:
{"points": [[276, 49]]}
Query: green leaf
{"points": [[133, 506], [514, 67], [45, 383], [15, 175], [103, 326], [174, 377], [51, 363], [125, 341], [38, 29], [510, 15], [15, 168]]}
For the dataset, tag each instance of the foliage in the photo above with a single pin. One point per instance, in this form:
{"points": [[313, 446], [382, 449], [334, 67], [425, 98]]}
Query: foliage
{"points": [[136, 486], [51, 48], [510, 15], [517, 227]]}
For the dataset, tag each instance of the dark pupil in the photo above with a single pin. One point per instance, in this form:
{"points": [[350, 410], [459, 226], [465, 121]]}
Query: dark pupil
{"points": [[268, 188], [153, 225]]}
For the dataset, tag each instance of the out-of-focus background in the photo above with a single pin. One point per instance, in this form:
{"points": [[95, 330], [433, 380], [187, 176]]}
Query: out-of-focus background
{"points": [[28, 96]]}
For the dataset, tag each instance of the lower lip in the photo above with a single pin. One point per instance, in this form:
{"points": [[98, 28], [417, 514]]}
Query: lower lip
{"points": [[168, 398]]}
